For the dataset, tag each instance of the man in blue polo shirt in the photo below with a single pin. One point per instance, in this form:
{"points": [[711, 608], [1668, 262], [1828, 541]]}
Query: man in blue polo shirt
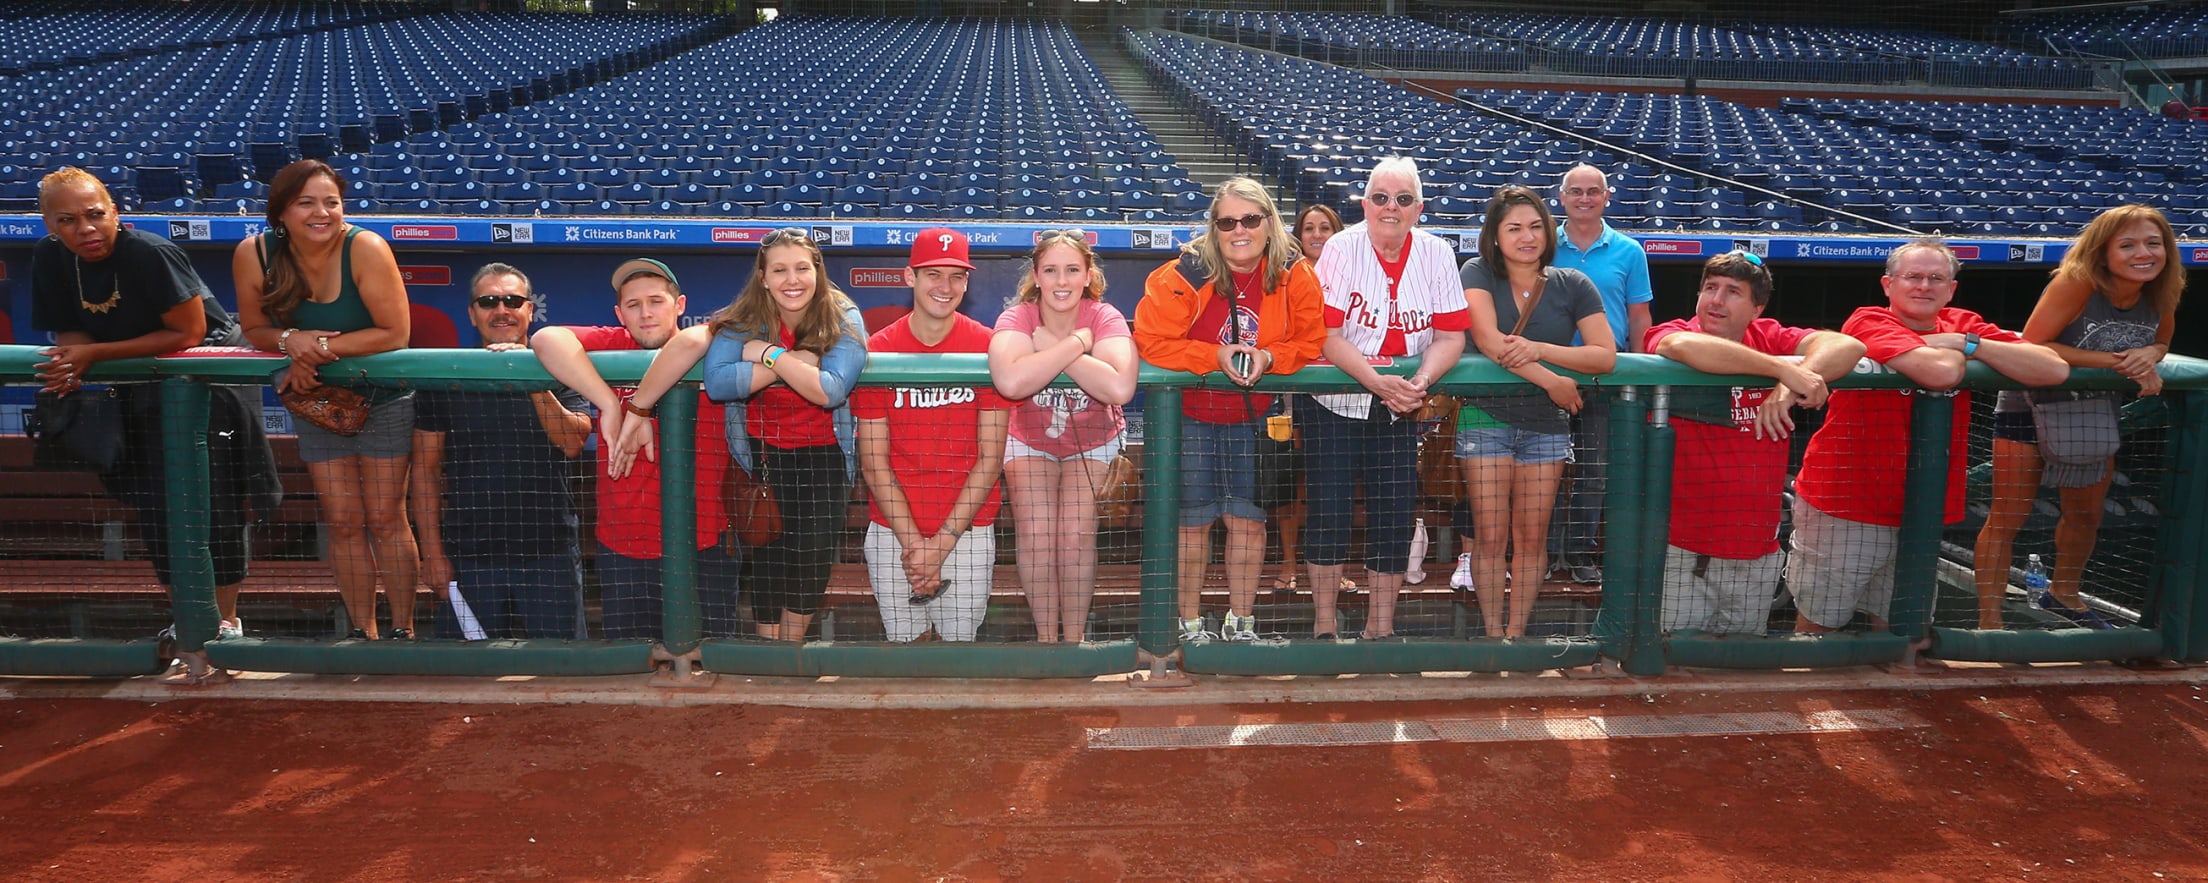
{"points": [[1619, 266]]}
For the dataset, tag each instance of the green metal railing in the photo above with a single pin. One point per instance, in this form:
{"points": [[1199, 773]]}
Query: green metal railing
{"points": [[1625, 627]]}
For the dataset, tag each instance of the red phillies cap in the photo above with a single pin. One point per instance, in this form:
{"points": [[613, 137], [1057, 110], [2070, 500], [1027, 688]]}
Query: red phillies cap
{"points": [[939, 247]]}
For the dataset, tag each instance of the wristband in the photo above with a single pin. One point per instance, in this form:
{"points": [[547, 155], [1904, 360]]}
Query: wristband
{"points": [[771, 353], [630, 406], [1970, 345], [283, 339]]}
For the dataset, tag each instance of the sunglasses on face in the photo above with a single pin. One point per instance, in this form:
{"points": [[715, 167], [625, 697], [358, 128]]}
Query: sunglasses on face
{"points": [[1401, 199], [1247, 222], [493, 301]]}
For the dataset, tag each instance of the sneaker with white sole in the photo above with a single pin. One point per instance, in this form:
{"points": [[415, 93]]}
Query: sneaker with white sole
{"points": [[1192, 631], [1462, 578], [1238, 628], [230, 628]]}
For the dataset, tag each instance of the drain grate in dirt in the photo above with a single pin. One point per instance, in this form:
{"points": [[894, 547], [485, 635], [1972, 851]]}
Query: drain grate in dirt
{"points": [[1503, 729]]}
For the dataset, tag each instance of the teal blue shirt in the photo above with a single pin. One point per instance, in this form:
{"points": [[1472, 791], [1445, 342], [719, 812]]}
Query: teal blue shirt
{"points": [[1619, 267]]}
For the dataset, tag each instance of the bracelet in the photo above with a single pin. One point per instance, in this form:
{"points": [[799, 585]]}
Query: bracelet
{"points": [[771, 353], [631, 406], [283, 339], [1970, 345], [324, 343]]}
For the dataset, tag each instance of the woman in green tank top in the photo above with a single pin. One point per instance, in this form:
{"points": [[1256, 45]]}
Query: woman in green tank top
{"points": [[318, 290]]}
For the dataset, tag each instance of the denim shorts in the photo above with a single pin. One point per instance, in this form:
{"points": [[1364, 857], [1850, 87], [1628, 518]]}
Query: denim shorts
{"points": [[388, 433], [1218, 472], [1515, 443]]}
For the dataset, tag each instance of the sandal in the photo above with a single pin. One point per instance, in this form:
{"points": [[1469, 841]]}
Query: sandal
{"points": [[1284, 584]]}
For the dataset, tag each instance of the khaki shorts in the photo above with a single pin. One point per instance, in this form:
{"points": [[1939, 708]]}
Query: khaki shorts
{"points": [[1840, 567], [1725, 596]]}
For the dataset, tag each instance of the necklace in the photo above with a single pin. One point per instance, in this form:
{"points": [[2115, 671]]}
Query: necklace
{"points": [[113, 297]]}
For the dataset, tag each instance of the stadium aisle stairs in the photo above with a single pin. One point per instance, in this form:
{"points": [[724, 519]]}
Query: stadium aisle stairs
{"points": [[1208, 160]]}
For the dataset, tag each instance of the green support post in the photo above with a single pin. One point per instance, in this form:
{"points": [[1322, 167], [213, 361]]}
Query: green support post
{"points": [[1623, 511], [1647, 658], [184, 403], [2184, 619], [678, 515], [1161, 467], [1923, 513]]}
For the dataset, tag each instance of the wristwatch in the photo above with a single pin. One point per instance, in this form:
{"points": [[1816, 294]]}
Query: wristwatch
{"points": [[1970, 345], [631, 406], [283, 339], [768, 355]]}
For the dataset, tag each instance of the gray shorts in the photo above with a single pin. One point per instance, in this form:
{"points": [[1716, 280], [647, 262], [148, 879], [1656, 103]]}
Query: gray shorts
{"points": [[1840, 567], [389, 433], [1724, 596]]}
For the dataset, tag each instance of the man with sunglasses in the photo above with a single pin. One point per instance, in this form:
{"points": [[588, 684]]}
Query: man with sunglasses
{"points": [[1619, 267], [1723, 561], [490, 497], [1847, 498]]}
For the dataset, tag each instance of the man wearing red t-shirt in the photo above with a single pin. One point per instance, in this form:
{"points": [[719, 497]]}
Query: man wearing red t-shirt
{"points": [[931, 456], [1728, 467], [649, 303], [1847, 499]]}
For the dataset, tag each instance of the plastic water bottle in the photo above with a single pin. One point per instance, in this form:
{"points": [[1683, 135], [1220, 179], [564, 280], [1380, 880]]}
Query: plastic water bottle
{"points": [[2035, 580]]}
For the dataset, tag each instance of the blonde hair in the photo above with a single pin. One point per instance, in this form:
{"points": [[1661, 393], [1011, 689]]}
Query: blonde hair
{"points": [[70, 176], [1280, 246], [1031, 291], [2087, 260], [753, 311]]}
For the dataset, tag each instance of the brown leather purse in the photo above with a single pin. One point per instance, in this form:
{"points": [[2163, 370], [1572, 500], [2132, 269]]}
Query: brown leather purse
{"points": [[333, 408], [753, 513]]}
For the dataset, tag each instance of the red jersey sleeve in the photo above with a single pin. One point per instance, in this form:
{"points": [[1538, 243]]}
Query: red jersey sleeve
{"points": [[1335, 316], [1882, 333], [598, 338], [1972, 323], [1454, 320], [1648, 341]]}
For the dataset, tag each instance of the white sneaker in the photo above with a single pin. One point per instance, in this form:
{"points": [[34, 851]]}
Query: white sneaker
{"points": [[1239, 628], [1462, 578], [1192, 631], [230, 628]]}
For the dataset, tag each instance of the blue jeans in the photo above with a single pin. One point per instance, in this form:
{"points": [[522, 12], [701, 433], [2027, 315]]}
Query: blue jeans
{"points": [[1339, 454], [539, 598], [1218, 471], [630, 589]]}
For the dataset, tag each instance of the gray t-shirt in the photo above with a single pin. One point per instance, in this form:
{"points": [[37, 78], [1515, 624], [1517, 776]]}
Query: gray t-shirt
{"points": [[1567, 297]]}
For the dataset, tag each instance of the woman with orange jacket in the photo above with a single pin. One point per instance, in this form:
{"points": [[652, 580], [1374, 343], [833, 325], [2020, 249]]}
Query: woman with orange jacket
{"points": [[1239, 302]]}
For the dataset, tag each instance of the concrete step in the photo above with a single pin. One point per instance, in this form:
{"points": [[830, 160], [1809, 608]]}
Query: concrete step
{"points": [[1207, 160]]}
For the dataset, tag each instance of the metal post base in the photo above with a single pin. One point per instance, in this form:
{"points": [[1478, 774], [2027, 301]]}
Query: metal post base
{"points": [[196, 673], [1604, 668], [1913, 661], [1160, 676], [679, 672]]}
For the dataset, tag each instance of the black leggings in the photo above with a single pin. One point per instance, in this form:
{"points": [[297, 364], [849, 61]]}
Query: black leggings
{"points": [[791, 573]]}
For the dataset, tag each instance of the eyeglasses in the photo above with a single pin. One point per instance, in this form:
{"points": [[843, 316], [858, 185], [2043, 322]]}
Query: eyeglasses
{"points": [[493, 301], [1932, 279], [1248, 222], [1401, 199], [1748, 256]]}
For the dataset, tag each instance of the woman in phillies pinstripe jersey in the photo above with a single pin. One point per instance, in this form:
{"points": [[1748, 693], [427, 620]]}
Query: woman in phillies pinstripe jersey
{"points": [[1391, 291]]}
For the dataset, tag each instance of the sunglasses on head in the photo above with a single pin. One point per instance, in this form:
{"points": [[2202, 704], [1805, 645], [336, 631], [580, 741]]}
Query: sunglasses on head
{"points": [[492, 301], [786, 234], [1401, 199], [1248, 222], [1748, 256]]}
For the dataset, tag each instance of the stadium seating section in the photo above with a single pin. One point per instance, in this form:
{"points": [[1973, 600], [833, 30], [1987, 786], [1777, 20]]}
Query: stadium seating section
{"points": [[192, 108], [2157, 32]]}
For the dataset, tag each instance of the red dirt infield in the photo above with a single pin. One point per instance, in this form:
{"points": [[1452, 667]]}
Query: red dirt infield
{"points": [[2085, 783]]}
